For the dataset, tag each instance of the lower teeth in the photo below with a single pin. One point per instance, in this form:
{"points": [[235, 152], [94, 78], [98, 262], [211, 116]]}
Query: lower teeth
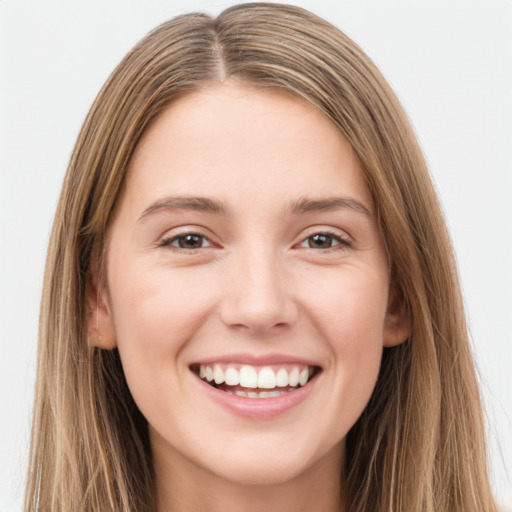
{"points": [[260, 394], [252, 393]]}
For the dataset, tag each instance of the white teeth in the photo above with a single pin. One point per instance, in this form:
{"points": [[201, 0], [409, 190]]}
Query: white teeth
{"points": [[248, 377], [218, 374], [281, 378], [264, 394], [232, 377], [303, 377], [241, 393], [293, 377], [267, 378]]}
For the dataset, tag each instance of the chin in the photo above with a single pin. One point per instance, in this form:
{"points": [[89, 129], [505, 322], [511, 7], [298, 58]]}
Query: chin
{"points": [[260, 470], [272, 460]]}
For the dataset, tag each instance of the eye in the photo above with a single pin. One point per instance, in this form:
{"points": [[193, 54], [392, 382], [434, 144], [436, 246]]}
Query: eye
{"points": [[324, 241], [187, 241]]}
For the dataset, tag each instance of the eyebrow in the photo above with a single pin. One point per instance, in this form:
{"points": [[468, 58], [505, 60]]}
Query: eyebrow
{"points": [[200, 204], [305, 205], [208, 205]]}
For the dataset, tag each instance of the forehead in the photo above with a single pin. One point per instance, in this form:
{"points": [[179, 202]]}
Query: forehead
{"points": [[240, 141]]}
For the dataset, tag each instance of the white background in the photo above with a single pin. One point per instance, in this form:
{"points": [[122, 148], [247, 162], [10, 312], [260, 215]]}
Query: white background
{"points": [[450, 63]]}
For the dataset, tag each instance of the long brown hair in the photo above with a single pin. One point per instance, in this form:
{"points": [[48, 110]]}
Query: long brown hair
{"points": [[419, 445]]}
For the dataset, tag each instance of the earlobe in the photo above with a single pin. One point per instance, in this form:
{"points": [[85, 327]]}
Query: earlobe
{"points": [[100, 324], [396, 329], [397, 326]]}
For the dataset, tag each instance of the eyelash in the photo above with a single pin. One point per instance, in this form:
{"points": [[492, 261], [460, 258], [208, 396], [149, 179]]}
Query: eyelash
{"points": [[342, 243], [168, 242]]}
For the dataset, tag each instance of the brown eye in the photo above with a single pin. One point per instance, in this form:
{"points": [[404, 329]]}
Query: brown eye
{"points": [[320, 241], [187, 241], [190, 241], [325, 241]]}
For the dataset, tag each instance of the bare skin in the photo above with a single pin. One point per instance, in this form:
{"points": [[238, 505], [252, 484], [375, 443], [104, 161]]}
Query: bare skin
{"points": [[246, 233], [316, 489]]}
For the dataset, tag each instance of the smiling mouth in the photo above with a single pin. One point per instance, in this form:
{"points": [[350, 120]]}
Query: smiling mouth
{"points": [[256, 381]]}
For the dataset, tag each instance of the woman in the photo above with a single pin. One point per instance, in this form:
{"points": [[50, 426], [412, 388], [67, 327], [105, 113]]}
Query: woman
{"points": [[250, 299]]}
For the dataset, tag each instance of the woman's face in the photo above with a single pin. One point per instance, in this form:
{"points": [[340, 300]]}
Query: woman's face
{"points": [[245, 248]]}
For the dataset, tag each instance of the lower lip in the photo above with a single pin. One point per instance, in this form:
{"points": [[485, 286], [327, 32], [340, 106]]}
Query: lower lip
{"points": [[258, 408]]}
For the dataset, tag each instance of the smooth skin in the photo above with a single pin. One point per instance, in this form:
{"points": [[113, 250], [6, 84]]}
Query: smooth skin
{"points": [[281, 254]]}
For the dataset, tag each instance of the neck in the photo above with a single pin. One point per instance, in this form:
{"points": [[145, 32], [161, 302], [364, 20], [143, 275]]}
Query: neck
{"points": [[183, 485]]}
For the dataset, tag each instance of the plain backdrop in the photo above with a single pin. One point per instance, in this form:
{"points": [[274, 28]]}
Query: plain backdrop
{"points": [[450, 63]]}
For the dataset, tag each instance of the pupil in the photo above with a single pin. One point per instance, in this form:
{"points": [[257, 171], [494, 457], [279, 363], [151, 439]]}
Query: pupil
{"points": [[190, 241], [320, 241]]}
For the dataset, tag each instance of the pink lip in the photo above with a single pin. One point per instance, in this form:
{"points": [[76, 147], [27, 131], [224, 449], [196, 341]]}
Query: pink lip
{"points": [[257, 408], [256, 360]]}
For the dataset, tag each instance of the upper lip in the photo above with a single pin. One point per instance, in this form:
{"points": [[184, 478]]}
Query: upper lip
{"points": [[256, 360]]}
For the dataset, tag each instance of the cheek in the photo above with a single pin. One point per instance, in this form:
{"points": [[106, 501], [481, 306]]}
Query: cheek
{"points": [[156, 308], [351, 315], [155, 313], [350, 308]]}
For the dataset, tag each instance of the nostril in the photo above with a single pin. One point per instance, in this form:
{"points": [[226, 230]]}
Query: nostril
{"points": [[258, 327], [256, 318], [259, 300]]}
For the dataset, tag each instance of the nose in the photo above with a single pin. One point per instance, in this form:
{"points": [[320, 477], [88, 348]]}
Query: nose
{"points": [[259, 293]]}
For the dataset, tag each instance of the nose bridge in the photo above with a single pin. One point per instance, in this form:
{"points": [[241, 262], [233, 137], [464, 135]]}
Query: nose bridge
{"points": [[259, 294]]}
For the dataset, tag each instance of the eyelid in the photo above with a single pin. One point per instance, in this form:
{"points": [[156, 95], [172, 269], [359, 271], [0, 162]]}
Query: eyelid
{"points": [[172, 234], [342, 238], [169, 242]]}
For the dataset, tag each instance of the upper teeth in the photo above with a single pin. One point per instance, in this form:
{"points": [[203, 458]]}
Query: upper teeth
{"points": [[254, 377]]}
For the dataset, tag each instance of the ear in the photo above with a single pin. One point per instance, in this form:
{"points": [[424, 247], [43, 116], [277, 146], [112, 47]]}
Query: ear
{"points": [[397, 325], [100, 323]]}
